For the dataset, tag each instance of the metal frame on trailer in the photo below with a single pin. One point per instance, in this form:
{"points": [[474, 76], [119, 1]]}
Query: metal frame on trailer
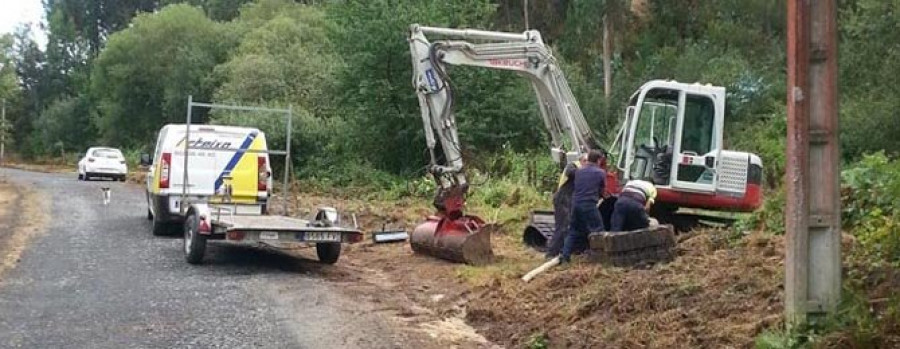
{"points": [[289, 115]]}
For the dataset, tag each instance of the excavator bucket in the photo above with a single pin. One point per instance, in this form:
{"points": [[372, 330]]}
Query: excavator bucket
{"points": [[463, 240]]}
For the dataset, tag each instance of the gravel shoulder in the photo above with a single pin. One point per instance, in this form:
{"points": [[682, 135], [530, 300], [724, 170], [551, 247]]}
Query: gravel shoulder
{"points": [[20, 221]]}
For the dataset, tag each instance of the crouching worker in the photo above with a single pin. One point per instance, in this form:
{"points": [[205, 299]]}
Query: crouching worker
{"points": [[630, 212], [589, 185]]}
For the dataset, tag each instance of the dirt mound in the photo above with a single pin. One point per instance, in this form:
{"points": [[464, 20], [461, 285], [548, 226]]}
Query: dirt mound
{"points": [[710, 296], [714, 294], [718, 292]]}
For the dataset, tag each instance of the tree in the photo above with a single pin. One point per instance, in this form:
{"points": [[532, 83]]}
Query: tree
{"points": [[589, 20], [285, 55], [8, 83], [8, 86], [285, 58], [220, 10], [92, 21], [546, 16], [67, 56], [380, 104], [64, 126], [143, 77], [870, 55], [30, 63]]}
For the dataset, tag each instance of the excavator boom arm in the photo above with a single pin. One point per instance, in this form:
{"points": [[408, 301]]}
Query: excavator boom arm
{"points": [[523, 53]]}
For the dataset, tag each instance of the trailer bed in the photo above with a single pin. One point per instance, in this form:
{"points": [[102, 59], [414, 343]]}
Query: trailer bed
{"points": [[274, 223], [280, 228]]}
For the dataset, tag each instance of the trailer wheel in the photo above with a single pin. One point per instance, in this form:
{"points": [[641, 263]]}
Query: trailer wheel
{"points": [[328, 252], [194, 243]]}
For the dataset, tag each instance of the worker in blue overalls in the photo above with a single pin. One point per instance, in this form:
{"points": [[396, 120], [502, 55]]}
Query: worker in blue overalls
{"points": [[589, 186]]}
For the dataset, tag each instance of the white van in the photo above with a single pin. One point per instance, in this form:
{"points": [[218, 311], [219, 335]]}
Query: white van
{"points": [[229, 183], [250, 173]]}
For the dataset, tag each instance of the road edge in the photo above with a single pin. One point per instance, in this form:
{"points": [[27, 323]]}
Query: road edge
{"points": [[28, 223]]}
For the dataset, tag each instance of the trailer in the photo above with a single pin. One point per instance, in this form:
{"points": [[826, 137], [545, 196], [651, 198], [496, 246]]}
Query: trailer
{"points": [[215, 182]]}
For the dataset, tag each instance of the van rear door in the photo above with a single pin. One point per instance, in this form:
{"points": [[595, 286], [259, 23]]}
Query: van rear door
{"points": [[214, 153], [244, 168]]}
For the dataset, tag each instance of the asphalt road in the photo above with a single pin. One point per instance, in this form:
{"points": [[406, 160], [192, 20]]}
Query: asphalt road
{"points": [[97, 278]]}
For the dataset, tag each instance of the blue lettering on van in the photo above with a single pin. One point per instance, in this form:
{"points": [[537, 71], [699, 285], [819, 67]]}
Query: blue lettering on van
{"points": [[211, 144], [201, 143]]}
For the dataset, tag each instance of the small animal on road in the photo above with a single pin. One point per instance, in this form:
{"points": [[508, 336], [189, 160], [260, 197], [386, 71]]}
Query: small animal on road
{"points": [[106, 195]]}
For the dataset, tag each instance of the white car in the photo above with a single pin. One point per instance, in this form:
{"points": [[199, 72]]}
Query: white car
{"points": [[100, 162]]}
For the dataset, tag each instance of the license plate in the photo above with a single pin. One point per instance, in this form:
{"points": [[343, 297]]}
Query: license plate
{"points": [[327, 236], [268, 235]]}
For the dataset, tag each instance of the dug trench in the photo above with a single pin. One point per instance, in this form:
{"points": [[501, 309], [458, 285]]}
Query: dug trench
{"points": [[721, 290]]}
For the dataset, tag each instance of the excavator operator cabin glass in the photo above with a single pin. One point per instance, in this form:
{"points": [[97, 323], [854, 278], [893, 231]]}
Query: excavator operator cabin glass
{"points": [[699, 117], [653, 130], [654, 126]]}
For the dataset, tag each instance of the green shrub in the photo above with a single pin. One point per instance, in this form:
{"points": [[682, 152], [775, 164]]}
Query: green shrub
{"points": [[870, 192], [348, 178], [870, 195], [421, 187], [769, 218], [764, 137], [537, 341], [132, 157], [853, 325]]}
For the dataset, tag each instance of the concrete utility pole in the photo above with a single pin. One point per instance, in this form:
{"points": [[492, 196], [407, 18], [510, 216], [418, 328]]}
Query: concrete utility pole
{"points": [[813, 215]]}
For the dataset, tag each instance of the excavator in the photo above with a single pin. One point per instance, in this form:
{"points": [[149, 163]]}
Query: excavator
{"points": [[672, 135]]}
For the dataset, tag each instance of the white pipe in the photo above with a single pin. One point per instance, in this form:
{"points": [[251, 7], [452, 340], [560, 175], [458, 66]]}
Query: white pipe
{"points": [[550, 264]]}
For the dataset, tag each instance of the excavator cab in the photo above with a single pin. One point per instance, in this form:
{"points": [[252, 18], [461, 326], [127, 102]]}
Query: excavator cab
{"points": [[672, 136]]}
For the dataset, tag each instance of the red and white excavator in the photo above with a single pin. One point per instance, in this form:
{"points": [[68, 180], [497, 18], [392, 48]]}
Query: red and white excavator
{"points": [[671, 135]]}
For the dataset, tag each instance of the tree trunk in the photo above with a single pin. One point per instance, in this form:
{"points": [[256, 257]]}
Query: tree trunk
{"points": [[607, 57], [525, 9]]}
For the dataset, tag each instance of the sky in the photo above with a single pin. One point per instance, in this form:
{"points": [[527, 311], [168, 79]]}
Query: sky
{"points": [[15, 12]]}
